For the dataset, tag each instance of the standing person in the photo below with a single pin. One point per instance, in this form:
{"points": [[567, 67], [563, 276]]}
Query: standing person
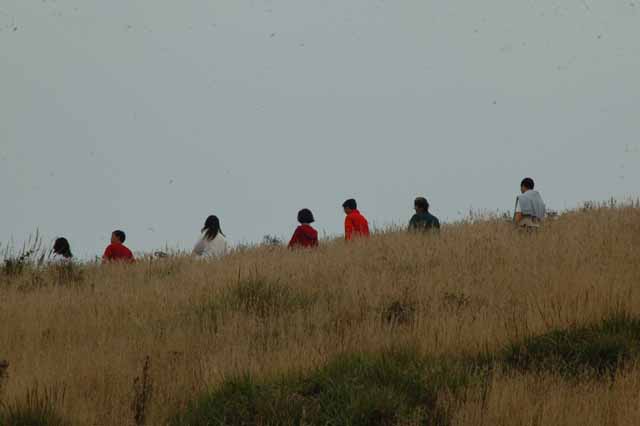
{"points": [[304, 235], [530, 209], [62, 251], [211, 242], [117, 251], [423, 220], [355, 224]]}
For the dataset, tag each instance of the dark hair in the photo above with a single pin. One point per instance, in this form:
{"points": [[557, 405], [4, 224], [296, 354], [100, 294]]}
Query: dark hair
{"points": [[212, 227], [61, 246], [120, 235], [350, 204], [527, 183], [305, 216], [422, 203]]}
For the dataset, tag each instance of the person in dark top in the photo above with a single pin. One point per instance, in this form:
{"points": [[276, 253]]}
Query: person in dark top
{"points": [[304, 235], [62, 248], [423, 220], [117, 251]]}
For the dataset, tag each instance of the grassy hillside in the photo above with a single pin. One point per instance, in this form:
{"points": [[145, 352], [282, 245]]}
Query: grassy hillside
{"points": [[479, 325]]}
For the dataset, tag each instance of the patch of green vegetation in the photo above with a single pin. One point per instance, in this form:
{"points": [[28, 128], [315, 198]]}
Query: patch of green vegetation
{"points": [[399, 312], [265, 298], [352, 389], [401, 386], [256, 297], [37, 409], [599, 348]]}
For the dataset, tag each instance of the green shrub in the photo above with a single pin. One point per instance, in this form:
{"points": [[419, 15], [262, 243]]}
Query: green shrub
{"points": [[257, 297], [352, 389], [265, 298], [399, 312], [37, 409], [599, 348]]}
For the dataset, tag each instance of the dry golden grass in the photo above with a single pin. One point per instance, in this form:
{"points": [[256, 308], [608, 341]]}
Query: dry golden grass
{"points": [[472, 289]]}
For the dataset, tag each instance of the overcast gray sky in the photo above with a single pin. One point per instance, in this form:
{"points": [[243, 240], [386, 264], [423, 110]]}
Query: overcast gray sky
{"points": [[149, 115]]}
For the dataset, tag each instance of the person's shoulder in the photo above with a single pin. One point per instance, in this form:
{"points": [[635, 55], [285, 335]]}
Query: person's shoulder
{"points": [[308, 228], [523, 198], [219, 242]]}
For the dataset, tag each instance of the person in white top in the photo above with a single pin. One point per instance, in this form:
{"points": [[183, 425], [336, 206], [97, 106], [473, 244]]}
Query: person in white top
{"points": [[530, 208], [211, 242], [61, 252]]}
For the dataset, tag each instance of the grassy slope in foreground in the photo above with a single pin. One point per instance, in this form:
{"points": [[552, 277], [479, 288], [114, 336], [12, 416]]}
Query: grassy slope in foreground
{"points": [[479, 291]]}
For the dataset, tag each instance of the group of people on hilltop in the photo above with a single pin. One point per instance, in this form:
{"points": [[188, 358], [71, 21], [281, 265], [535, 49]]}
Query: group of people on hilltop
{"points": [[115, 251], [530, 210]]}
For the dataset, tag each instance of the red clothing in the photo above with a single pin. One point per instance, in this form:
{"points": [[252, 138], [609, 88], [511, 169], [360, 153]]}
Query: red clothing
{"points": [[305, 236], [117, 252], [355, 225]]}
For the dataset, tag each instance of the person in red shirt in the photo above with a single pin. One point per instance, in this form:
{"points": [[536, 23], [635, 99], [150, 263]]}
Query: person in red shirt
{"points": [[117, 251], [305, 235], [355, 225]]}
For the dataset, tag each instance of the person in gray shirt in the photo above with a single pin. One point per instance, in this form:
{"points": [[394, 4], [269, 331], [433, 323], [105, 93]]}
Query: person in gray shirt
{"points": [[530, 209]]}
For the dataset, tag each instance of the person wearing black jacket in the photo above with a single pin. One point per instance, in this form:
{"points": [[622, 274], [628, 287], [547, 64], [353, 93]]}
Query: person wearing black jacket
{"points": [[423, 220]]}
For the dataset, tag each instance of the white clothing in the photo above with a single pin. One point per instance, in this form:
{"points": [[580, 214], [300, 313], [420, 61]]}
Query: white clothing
{"points": [[205, 247], [58, 259], [531, 204]]}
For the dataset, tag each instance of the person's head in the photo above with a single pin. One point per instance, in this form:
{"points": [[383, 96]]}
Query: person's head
{"points": [[421, 205], [349, 205], [305, 216], [527, 184], [212, 227], [61, 247], [118, 237]]}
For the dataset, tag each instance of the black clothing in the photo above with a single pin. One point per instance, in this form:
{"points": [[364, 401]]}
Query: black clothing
{"points": [[424, 222]]}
